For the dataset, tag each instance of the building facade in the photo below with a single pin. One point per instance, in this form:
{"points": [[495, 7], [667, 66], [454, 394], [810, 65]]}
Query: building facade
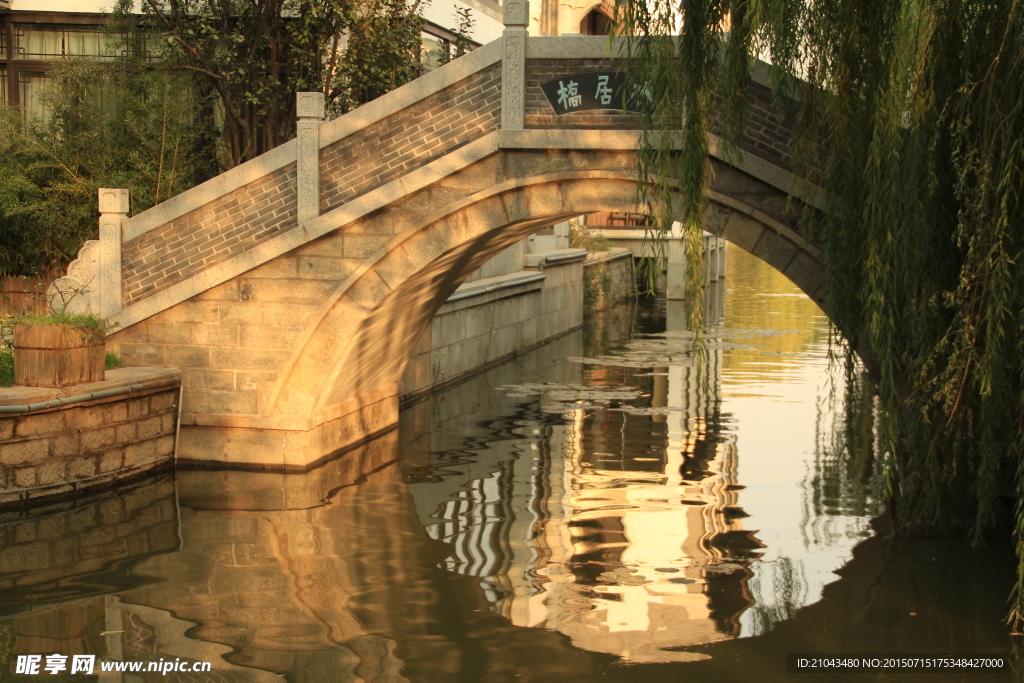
{"points": [[35, 33]]}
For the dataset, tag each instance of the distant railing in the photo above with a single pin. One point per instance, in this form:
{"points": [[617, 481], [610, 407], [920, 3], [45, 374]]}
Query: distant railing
{"points": [[617, 219]]}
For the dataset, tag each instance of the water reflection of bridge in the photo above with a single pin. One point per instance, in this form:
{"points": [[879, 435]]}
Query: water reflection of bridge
{"points": [[330, 571], [331, 575], [617, 526]]}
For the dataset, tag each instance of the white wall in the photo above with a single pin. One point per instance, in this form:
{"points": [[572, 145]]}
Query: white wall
{"points": [[486, 16], [63, 5], [486, 13]]}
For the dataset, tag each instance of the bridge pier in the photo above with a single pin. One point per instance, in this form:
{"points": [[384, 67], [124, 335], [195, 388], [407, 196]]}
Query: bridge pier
{"points": [[294, 445]]}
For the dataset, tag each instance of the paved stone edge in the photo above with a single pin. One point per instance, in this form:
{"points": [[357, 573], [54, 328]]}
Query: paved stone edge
{"points": [[114, 379]]}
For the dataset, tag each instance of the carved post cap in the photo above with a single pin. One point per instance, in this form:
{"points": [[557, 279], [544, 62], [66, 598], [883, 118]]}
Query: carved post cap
{"points": [[309, 105], [517, 12], [113, 200]]}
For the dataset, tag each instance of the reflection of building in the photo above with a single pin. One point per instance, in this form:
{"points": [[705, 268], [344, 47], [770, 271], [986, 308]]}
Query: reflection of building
{"points": [[329, 575], [619, 527]]}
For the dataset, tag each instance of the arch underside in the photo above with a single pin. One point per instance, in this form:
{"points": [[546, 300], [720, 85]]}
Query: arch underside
{"points": [[374, 321]]}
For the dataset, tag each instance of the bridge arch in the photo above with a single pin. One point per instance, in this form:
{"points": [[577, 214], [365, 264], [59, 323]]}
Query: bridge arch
{"points": [[366, 332]]}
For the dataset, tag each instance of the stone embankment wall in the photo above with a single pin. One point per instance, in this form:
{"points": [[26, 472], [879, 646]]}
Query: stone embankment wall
{"points": [[80, 544], [609, 278], [60, 451], [493, 318], [490, 320]]}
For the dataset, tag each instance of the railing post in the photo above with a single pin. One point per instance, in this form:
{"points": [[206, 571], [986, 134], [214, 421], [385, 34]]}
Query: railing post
{"points": [[113, 216], [513, 65], [309, 107]]}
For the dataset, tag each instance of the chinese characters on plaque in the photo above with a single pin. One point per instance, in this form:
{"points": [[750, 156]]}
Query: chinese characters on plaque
{"points": [[582, 92]]}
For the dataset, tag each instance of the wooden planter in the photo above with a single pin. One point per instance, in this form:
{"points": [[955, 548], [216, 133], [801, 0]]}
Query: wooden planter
{"points": [[20, 295], [57, 355]]}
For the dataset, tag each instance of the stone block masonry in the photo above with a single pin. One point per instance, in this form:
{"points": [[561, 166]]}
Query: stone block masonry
{"points": [[609, 278], [769, 131], [56, 453], [491, 320], [70, 545]]}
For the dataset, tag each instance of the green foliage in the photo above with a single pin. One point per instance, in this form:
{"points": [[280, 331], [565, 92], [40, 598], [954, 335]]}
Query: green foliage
{"points": [[6, 643], [6, 368], [110, 125], [85, 321], [582, 238], [382, 53], [250, 57], [112, 360], [6, 363], [463, 31], [911, 118]]}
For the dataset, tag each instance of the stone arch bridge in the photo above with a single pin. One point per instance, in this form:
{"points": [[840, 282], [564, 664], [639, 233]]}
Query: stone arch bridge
{"points": [[291, 290]]}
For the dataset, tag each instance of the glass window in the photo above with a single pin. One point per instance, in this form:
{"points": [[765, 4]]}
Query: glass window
{"points": [[30, 87], [433, 48], [32, 43]]}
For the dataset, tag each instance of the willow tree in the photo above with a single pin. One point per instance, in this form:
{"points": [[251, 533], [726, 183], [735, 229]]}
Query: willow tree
{"points": [[911, 120]]}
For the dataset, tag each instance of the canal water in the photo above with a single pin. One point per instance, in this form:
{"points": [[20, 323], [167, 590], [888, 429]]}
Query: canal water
{"points": [[601, 508]]}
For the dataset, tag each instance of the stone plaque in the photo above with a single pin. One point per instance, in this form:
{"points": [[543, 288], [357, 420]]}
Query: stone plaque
{"points": [[582, 92]]}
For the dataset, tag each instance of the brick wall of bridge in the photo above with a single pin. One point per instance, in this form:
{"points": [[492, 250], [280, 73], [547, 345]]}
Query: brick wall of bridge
{"points": [[769, 132], [384, 151], [208, 235], [410, 138], [381, 152]]}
